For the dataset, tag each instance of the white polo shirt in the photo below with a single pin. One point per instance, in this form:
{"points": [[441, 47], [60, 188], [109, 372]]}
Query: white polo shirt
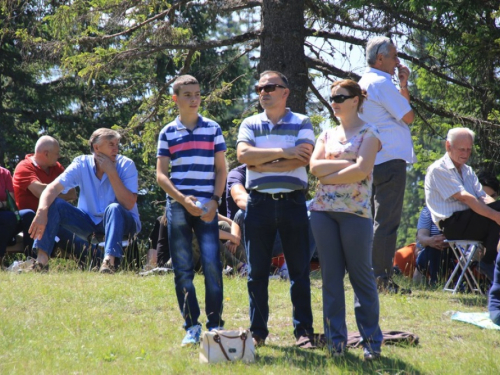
{"points": [[385, 108]]}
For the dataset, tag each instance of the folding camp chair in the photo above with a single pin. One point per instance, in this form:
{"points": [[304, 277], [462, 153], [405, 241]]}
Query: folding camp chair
{"points": [[464, 251]]}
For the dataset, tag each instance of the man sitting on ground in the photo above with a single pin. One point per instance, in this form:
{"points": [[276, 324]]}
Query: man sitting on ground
{"points": [[108, 185], [31, 177]]}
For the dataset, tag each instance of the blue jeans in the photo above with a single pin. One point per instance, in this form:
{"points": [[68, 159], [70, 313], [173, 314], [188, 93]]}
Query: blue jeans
{"points": [[181, 225], [67, 240], [494, 295], [264, 218], [433, 261], [117, 223], [239, 218], [344, 241]]}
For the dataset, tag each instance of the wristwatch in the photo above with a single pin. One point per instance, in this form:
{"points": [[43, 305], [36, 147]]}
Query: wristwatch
{"points": [[216, 198]]}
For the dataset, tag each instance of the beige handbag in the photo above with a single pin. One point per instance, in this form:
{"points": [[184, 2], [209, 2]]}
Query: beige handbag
{"points": [[221, 346]]}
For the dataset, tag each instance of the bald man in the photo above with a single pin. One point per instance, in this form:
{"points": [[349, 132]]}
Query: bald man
{"points": [[31, 177]]}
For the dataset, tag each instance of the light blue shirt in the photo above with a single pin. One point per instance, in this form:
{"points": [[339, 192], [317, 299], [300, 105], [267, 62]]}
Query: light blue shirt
{"points": [[96, 195]]}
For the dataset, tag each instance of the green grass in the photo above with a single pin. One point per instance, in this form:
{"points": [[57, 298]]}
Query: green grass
{"points": [[72, 322]]}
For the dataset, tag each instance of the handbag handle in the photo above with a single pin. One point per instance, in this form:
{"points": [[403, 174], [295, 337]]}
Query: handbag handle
{"points": [[243, 336]]}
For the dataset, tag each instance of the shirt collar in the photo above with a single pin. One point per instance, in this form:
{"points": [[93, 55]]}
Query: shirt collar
{"points": [[379, 72], [31, 158], [264, 118], [180, 126], [448, 163]]}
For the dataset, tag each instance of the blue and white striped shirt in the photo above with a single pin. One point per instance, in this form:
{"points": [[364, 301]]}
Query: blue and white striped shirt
{"points": [[425, 222], [192, 155], [258, 131]]}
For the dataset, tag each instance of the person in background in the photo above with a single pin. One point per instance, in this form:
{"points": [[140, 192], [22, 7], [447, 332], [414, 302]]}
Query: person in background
{"points": [[490, 184], [10, 225], [435, 254], [458, 205], [341, 220], [31, 177], [389, 110], [107, 204]]}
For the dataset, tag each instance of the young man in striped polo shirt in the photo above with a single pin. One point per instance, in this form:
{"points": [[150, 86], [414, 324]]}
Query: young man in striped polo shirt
{"points": [[276, 145], [194, 147]]}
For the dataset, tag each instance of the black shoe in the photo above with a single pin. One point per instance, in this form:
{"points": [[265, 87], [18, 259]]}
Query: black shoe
{"points": [[370, 355], [390, 287]]}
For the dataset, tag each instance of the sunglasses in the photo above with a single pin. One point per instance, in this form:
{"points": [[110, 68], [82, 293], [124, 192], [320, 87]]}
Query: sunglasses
{"points": [[267, 88], [340, 98]]}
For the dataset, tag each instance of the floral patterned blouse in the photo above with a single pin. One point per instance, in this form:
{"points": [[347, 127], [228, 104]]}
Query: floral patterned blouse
{"points": [[354, 197]]}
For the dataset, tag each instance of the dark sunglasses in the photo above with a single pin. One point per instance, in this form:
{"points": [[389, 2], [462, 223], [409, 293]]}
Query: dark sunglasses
{"points": [[340, 98], [267, 88]]}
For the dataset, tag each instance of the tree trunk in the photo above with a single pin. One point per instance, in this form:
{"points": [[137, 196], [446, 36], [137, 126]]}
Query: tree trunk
{"points": [[282, 47]]}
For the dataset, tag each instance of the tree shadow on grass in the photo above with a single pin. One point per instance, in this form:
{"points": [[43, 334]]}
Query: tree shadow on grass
{"points": [[318, 361]]}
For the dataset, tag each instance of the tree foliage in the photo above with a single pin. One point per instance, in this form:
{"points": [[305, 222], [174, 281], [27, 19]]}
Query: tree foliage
{"points": [[68, 67]]}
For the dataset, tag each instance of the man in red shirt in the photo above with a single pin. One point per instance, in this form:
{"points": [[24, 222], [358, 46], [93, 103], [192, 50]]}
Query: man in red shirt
{"points": [[31, 177]]}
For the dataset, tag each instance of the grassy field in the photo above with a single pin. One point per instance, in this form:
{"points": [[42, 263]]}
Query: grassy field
{"points": [[72, 322]]}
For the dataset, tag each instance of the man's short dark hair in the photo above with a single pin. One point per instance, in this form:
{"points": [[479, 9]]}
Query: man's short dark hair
{"points": [[184, 81], [275, 72]]}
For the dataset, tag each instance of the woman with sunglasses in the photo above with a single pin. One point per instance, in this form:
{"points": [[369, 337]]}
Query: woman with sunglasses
{"points": [[341, 220]]}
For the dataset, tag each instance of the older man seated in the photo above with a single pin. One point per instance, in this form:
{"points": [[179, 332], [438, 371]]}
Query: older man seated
{"points": [[458, 205]]}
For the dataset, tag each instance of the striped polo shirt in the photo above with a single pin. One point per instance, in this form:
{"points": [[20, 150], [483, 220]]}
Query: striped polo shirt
{"points": [[192, 156], [425, 222], [442, 181], [292, 130]]}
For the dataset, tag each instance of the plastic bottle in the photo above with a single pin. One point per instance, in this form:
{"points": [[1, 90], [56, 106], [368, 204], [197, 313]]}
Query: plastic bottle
{"points": [[14, 267], [12, 205], [203, 208]]}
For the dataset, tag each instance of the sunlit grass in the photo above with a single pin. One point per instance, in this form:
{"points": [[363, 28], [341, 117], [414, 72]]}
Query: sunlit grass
{"points": [[72, 322]]}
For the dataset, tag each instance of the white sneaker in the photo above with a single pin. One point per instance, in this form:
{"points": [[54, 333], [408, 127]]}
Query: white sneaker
{"points": [[192, 336]]}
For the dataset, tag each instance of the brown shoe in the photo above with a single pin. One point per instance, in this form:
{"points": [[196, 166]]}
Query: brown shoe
{"points": [[38, 267], [258, 341], [305, 342], [107, 267]]}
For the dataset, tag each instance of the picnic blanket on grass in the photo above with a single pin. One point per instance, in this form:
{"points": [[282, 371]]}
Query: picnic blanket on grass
{"points": [[478, 319]]}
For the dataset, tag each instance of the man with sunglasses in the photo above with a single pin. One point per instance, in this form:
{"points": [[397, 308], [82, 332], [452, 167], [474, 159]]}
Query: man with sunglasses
{"points": [[389, 109], [276, 145]]}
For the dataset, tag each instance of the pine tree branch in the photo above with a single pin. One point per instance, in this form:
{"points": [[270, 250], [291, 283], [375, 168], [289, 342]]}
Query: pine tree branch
{"points": [[322, 100]]}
